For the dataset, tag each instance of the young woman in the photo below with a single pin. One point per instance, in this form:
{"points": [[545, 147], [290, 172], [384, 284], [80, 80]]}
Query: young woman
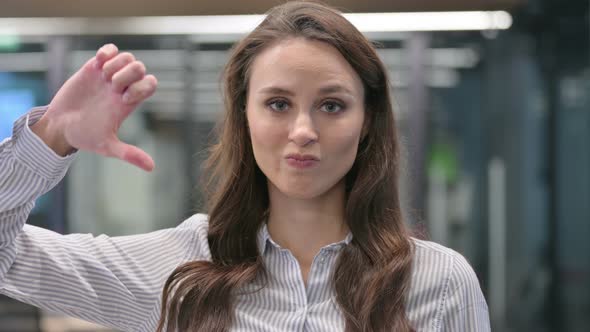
{"points": [[304, 229]]}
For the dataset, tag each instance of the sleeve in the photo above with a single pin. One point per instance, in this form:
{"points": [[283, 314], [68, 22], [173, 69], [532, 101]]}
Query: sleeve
{"points": [[465, 308], [112, 281]]}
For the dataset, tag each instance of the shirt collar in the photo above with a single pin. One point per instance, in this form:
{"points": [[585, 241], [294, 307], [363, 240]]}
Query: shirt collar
{"points": [[264, 239]]}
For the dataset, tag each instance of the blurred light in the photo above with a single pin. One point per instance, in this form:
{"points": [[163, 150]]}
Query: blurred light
{"points": [[435, 78], [497, 238], [9, 42], [435, 57], [453, 57], [431, 21], [241, 24]]}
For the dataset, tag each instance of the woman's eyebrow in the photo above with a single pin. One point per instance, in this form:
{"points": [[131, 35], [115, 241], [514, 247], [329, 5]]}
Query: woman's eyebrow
{"points": [[276, 90], [336, 88], [333, 88]]}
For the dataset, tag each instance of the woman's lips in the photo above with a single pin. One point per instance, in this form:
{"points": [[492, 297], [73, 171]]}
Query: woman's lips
{"points": [[302, 161]]}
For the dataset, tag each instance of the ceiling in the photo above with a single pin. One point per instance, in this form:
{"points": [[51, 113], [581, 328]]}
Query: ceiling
{"points": [[109, 8]]}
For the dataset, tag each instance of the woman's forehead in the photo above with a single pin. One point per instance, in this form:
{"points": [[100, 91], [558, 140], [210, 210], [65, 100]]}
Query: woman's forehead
{"points": [[299, 60]]}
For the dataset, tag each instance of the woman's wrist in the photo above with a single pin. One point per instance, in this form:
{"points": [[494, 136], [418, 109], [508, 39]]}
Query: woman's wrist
{"points": [[51, 137]]}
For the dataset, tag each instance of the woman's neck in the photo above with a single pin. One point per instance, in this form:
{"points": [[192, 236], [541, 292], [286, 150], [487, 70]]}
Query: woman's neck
{"points": [[304, 226]]}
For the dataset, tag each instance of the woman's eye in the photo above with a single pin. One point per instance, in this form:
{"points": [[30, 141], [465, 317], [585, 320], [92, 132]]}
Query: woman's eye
{"points": [[278, 105], [331, 107]]}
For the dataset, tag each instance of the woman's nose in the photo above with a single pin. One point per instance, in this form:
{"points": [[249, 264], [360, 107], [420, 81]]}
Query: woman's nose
{"points": [[303, 131]]}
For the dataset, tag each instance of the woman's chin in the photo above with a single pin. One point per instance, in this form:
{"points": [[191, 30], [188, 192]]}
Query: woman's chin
{"points": [[300, 191], [302, 194], [307, 190], [304, 188]]}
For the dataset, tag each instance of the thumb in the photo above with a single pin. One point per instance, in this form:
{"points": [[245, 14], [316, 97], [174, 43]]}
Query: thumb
{"points": [[131, 154]]}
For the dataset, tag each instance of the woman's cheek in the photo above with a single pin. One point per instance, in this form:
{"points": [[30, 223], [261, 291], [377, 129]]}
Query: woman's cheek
{"points": [[266, 144], [347, 149]]}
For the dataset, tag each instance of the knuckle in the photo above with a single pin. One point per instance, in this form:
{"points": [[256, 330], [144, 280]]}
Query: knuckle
{"points": [[139, 67], [133, 95], [109, 68], [107, 71], [127, 57], [117, 84]]}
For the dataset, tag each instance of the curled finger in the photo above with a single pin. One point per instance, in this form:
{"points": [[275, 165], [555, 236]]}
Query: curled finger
{"points": [[140, 90], [128, 75], [112, 66], [104, 54]]}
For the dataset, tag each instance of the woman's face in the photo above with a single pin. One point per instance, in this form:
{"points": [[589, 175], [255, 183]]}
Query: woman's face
{"points": [[305, 113]]}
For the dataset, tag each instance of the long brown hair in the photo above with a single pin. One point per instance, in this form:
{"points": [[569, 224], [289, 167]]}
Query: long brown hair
{"points": [[371, 277]]}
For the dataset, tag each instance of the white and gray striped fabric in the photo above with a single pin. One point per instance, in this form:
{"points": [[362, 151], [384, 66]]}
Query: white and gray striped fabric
{"points": [[117, 281]]}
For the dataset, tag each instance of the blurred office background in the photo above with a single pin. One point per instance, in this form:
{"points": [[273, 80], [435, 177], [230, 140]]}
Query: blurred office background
{"points": [[494, 118]]}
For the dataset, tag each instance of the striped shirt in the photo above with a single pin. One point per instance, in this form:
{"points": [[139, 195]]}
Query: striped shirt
{"points": [[117, 281]]}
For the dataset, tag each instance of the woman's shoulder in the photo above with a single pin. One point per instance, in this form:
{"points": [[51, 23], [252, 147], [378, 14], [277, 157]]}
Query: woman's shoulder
{"points": [[197, 225], [445, 267], [444, 288], [429, 248], [198, 221]]}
